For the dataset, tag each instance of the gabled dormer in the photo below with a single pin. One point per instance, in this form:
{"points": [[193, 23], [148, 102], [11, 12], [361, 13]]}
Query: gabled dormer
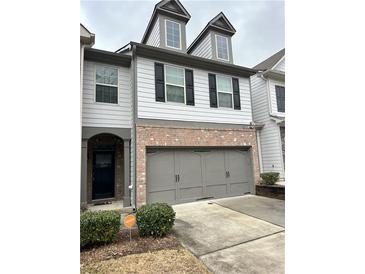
{"points": [[167, 26], [214, 42]]}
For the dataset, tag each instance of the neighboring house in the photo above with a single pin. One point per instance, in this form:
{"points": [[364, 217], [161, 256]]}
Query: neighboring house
{"points": [[268, 103], [186, 110]]}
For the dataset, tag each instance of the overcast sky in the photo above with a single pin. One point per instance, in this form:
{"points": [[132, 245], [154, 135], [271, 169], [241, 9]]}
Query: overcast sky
{"points": [[259, 24]]}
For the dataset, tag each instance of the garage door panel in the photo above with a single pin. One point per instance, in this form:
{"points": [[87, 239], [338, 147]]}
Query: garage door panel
{"points": [[160, 170], [191, 193], [239, 188], [190, 170], [239, 165], [167, 196], [214, 168], [216, 191], [190, 185]]}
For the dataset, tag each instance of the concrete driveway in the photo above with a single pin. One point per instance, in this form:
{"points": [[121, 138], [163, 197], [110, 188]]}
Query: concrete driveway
{"points": [[234, 235]]}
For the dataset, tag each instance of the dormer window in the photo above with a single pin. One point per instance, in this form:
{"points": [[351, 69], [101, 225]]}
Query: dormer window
{"points": [[222, 47], [173, 34]]}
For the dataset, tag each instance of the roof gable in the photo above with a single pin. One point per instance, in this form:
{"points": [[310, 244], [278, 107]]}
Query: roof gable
{"points": [[219, 23], [171, 8], [86, 37], [270, 62]]}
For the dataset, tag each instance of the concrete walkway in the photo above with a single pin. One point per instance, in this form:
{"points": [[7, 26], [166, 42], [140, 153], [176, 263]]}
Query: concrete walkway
{"points": [[227, 240]]}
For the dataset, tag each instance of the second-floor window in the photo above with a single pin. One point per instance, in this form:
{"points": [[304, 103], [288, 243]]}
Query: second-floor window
{"points": [[222, 47], [224, 89], [173, 34], [175, 84], [106, 90], [280, 98]]}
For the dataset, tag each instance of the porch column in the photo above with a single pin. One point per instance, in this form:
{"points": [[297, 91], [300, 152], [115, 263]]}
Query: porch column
{"points": [[84, 172], [127, 196]]}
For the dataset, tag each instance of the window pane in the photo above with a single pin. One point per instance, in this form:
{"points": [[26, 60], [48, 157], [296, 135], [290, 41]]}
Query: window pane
{"points": [[280, 98], [174, 76], [225, 100], [224, 84], [222, 47], [106, 94], [175, 94], [107, 76], [173, 34]]}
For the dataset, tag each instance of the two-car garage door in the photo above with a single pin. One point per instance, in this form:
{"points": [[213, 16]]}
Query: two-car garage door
{"points": [[184, 175]]}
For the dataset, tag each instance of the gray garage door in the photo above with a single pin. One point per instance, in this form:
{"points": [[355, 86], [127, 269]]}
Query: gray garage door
{"points": [[185, 175]]}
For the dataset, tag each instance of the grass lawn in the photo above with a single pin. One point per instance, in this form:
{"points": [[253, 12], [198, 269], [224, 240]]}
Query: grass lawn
{"points": [[141, 255]]}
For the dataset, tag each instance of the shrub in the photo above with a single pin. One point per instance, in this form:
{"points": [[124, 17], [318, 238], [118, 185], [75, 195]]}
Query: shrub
{"points": [[98, 227], [155, 219], [270, 178]]}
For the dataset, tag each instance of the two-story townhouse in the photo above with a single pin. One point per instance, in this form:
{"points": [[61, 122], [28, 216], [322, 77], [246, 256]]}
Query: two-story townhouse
{"points": [[187, 114], [268, 103], [106, 127], [193, 136]]}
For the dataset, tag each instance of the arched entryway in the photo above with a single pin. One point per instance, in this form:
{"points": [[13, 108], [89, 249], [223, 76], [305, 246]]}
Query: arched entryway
{"points": [[105, 165], [105, 168]]}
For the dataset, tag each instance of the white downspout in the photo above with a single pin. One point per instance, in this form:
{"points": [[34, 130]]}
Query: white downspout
{"points": [[259, 150]]}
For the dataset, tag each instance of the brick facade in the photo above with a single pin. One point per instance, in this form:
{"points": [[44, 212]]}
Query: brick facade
{"points": [[160, 136], [106, 139]]}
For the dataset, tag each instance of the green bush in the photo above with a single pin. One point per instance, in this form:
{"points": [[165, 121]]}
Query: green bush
{"points": [[98, 227], [155, 219], [269, 178]]}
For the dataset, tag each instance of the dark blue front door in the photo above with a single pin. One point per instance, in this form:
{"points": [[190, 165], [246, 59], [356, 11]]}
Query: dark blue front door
{"points": [[103, 175]]}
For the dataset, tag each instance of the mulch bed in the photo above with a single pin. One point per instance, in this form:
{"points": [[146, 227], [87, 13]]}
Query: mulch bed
{"points": [[271, 191], [145, 255], [122, 247]]}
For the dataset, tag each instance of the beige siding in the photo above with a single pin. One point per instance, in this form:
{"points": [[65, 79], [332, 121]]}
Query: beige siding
{"points": [[201, 112], [204, 49], [154, 39], [271, 155], [106, 115]]}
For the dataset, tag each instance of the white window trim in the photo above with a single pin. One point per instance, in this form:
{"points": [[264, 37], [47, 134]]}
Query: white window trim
{"points": [[170, 102], [216, 47], [166, 34], [231, 93], [108, 85]]}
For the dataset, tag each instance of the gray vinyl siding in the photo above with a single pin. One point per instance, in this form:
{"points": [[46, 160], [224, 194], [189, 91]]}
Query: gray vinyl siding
{"points": [[154, 39], [101, 114], [202, 112], [204, 49], [214, 47], [162, 19], [271, 155]]}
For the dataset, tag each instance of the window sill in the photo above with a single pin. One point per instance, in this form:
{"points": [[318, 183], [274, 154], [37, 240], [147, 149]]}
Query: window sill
{"points": [[106, 104]]}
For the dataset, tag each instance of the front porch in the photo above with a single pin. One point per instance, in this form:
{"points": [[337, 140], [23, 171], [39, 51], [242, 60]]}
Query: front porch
{"points": [[105, 168], [114, 205]]}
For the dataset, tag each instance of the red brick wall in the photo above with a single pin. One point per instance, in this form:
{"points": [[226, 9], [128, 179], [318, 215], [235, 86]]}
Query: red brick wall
{"points": [[159, 136]]}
